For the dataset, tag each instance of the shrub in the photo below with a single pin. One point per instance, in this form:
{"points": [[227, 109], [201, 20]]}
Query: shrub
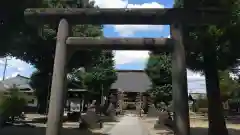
{"points": [[202, 103], [12, 105]]}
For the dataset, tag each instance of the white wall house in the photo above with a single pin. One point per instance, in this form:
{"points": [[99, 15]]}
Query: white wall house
{"points": [[22, 83]]}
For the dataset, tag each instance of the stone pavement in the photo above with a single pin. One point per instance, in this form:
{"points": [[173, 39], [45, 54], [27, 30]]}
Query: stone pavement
{"points": [[149, 124], [128, 125]]}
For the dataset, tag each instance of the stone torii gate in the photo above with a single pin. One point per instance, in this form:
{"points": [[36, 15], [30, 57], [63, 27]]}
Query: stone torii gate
{"points": [[66, 45]]}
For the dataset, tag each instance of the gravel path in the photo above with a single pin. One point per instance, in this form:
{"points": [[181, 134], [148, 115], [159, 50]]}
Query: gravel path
{"points": [[129, 125], [198, 127]]}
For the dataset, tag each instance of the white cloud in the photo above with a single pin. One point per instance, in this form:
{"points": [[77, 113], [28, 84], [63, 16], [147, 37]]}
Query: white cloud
{"points": [[13, 63], [125, 4], [130, 30], [15, 67], [111, 3], [195, 76], [20, 69], [2, 62], [18, 64], [196, 82], [123, 57], [14, 74]]}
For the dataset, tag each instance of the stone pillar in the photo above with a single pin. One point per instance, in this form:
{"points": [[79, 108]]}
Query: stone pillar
{"points": [[145, 103], [179, 83], [120, 102], [56, 104]]}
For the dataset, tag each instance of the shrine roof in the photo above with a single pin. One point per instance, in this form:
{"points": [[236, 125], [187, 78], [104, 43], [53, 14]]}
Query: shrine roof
{"points": [[132, 81]]}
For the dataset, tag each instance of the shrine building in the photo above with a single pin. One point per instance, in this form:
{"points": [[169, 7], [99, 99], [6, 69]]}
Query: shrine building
{"points": [[131, 84]]}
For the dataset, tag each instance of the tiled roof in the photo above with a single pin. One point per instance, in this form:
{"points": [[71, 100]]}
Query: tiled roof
{"points": [[132, 81]]}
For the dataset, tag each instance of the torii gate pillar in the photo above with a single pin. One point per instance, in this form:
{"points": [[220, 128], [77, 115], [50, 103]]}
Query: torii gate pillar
{"points": [[58, 88], [179, 83]]}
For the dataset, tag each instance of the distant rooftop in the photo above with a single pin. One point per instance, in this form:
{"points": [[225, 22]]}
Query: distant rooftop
{"points": [[18, 81]]}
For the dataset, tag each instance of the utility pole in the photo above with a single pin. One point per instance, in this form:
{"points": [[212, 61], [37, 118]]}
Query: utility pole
{"points": [[5, 68]]}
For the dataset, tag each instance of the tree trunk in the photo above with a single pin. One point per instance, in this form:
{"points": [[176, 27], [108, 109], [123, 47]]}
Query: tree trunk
{"points": [[217, 125], [42, 105]]}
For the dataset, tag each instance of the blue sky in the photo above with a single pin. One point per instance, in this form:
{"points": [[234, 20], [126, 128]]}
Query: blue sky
{"points": [[123, 59]]}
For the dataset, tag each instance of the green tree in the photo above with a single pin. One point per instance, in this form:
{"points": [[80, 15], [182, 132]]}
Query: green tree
{"points": [[12, 22], [36, 45], [213, 48], [230, 89], [12, 105], [41, 83], [234, 100], [227, 85], [100, 75], [159, 71]]}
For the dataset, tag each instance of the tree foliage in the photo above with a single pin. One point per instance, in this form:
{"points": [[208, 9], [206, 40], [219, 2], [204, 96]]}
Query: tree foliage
{"points": [[228, 85], [98, 63], [12, 105], [41, 83], [230, 89], [12, 22], [100, 75], [36, 45], [159, 71], [212, 48], [223, 37]]}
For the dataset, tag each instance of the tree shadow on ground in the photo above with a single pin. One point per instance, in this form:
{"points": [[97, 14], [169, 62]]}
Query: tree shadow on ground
{"points": [[200, 131], [229, 120], [233, 120], [25, 130], [204, 131], [108, 119]]}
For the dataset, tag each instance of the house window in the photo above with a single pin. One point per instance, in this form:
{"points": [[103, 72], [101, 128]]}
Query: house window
{"points": [[31, 101], [30, 94], [25, 89]]}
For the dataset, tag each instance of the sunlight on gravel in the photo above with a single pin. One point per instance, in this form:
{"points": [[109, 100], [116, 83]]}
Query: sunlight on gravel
{"points": [[198, 127]]}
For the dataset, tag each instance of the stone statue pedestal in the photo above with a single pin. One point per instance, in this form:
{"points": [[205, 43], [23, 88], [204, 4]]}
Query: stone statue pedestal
{"points": [[91, 119], [111, 113], [152, 111], [162, 118]]}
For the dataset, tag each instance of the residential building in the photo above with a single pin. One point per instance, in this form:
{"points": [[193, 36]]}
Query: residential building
{"points": [[22, 83], [198, 95]]}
